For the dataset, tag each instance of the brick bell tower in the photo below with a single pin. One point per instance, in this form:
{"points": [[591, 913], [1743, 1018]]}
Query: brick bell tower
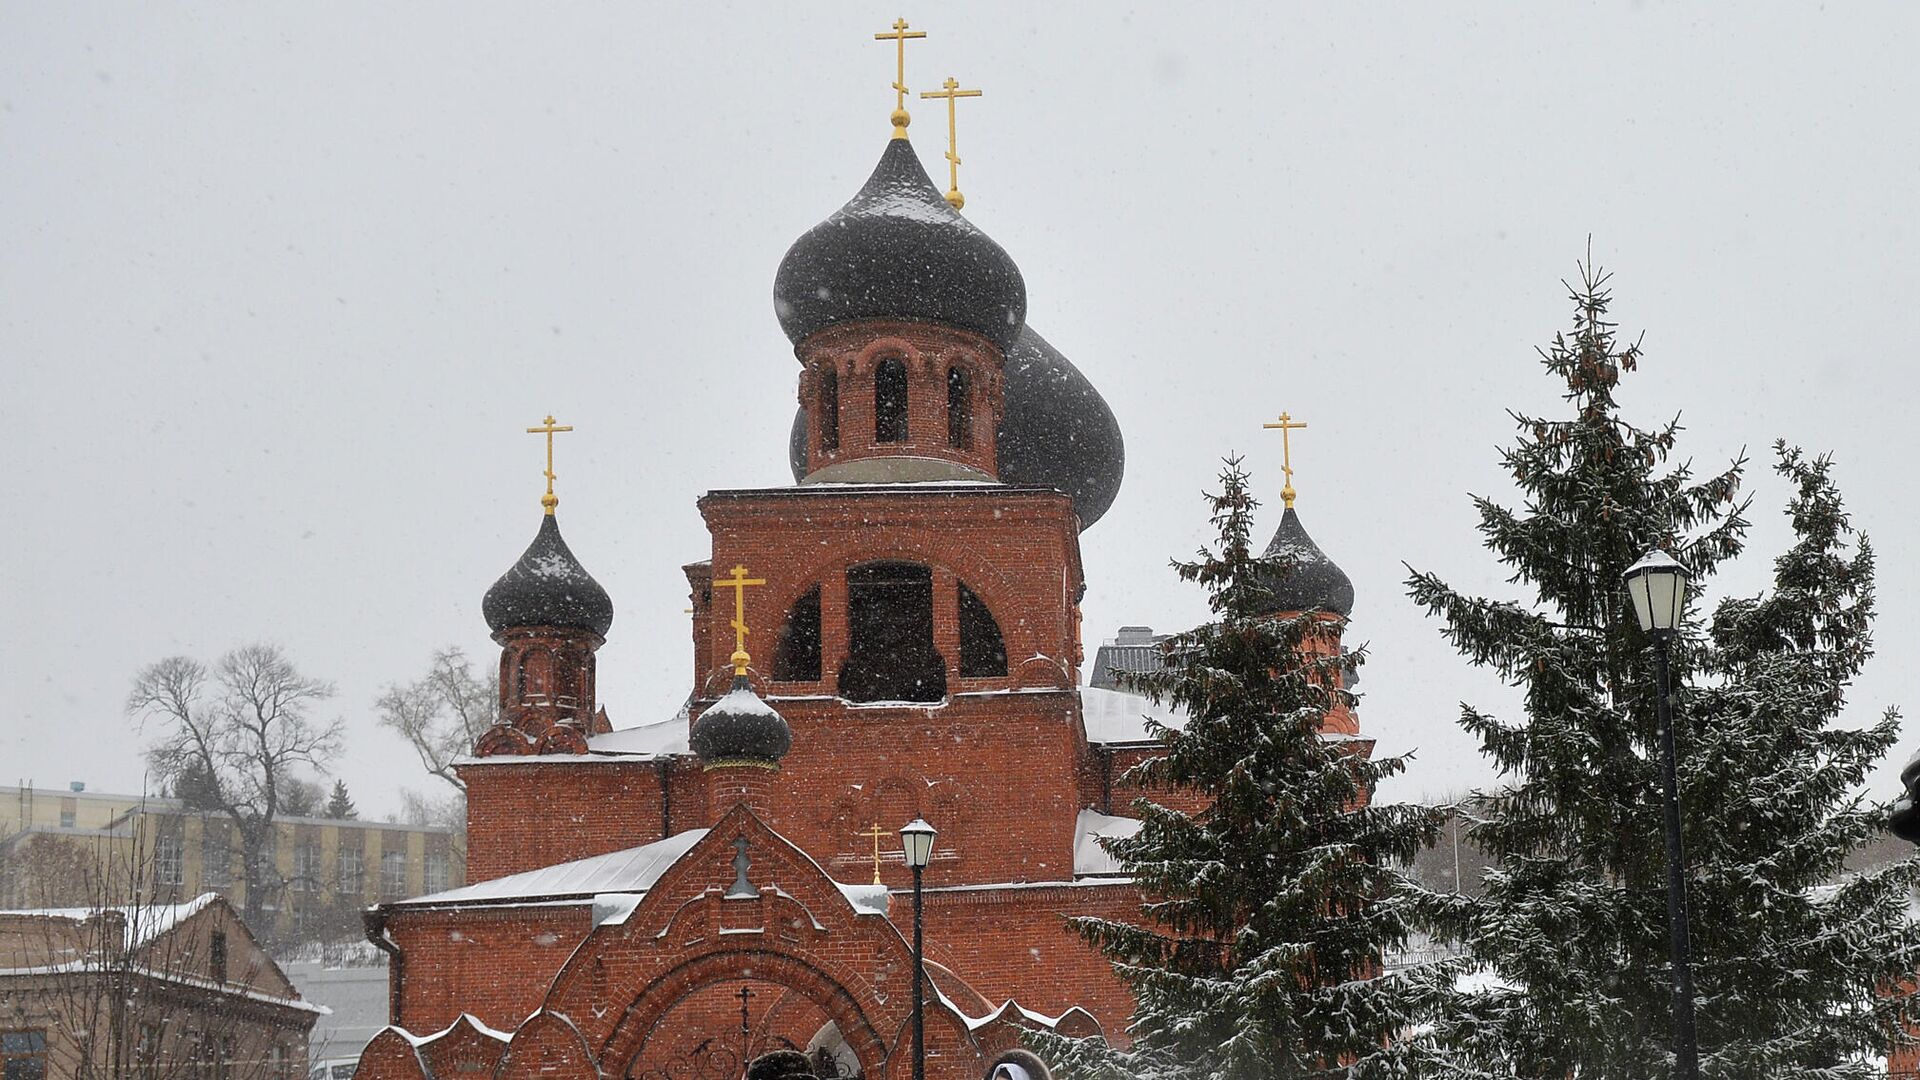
{"points": [[922, 578]]}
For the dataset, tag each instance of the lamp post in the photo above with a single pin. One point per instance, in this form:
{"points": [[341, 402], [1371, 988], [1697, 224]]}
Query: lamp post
{"points": [[916, 843], [1658, 586]]}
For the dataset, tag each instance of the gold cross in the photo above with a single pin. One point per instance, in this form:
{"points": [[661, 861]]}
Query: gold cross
{"points": [[876, 832], [548, 427], [900, 37], [1287, 426], [738, 583], [952, 92]]}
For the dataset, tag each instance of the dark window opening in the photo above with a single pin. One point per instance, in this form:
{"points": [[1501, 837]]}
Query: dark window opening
{"points": [[796, 658], [983, 652], [830, 410], [890, 653], [959, 410], [217, 956], [890, 402]]}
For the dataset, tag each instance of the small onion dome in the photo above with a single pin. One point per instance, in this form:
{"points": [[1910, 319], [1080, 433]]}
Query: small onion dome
{"points": [[898, 251], [741, 729], [1056, 430], [1312, 580], [548, 587]]}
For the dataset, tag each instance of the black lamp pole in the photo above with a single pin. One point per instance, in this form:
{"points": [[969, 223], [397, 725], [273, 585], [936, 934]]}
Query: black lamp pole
{"points": [[1686, 1047], [1657, 585], [919, 981], [916, 846]]}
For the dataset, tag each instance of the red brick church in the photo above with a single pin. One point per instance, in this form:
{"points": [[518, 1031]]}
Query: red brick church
{"points": [[894, 636]]}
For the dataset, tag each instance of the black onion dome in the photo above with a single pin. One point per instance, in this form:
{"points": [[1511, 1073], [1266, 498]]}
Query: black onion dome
{"points": [[1056, 432], [897, 250], [1313, 580], [548, 587], [740, 728]]}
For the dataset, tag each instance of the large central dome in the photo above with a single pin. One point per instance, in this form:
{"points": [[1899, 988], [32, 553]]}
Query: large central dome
{"points": [[898, 251]]}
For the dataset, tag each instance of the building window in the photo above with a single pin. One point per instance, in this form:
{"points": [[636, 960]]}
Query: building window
{"points": [[434, 873], [393, 873], [350, 872], [983, 652], [890, 401], [217, 956], [167, 860], [23, 1055], [306, 867], [796, 657], [216, 859], [959, 410], [281, 1063], [830, 410], [146, 1051], [69, 809], [890, 653]]}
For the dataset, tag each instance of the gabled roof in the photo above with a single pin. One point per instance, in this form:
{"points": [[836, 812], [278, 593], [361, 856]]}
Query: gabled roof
{"points": [[144, 922], [632, 870]]}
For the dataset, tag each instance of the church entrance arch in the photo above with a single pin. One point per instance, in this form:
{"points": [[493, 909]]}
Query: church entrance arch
{"points": [[637, 1030]]}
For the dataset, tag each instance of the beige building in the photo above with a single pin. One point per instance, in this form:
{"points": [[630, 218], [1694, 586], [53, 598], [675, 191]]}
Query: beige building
{"points": [[148, 992], [326, 869]]}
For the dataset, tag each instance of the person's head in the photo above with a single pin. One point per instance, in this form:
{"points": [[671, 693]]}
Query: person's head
{"points": [[780, 1065]]}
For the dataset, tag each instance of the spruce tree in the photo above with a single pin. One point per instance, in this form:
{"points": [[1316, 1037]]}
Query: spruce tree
{"points": [[1259, 951], [1570, 934], [340, 804]]}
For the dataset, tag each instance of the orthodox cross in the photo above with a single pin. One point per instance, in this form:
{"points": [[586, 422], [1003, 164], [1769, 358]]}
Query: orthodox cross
{"points": [[951, 93], [744, 995], [738, 583], [1287, 426], [547, 428], [900, 37], [876, 832]]}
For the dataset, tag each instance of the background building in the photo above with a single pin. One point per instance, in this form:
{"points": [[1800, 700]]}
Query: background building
{"points": [[325, 869]]}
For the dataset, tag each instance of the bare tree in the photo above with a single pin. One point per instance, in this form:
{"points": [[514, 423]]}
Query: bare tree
{"points": [[444, 713], [247, 725]]}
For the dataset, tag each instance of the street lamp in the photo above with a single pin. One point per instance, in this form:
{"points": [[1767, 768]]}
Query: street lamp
{"points": [[1658, 586], [916, 843], [1906, 813]]}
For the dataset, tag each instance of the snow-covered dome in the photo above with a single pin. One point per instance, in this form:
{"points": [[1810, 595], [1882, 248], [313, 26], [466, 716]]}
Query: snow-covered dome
{"points": [[548, 587], [898, 251], [741, 728], [1312, 580]]}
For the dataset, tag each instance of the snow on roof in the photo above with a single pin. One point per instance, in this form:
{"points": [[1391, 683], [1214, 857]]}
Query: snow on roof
{"points": [[1089, 858], [1115, 716], [668, 736], [866, 899], [143, 923], [741, 701], [631, 870]]}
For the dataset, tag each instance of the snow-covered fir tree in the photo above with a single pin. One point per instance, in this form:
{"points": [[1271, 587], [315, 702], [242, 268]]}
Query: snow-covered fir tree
{"points": [[1792, 973], [1259, 949]]}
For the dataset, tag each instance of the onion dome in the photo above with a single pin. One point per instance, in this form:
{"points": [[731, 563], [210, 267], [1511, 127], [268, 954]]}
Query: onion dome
{"points": [[1310, 580], [740, 729], [1056, 430], [898, 251], [548, 587]]}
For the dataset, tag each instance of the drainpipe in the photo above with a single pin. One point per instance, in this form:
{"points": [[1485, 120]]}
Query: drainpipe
{"points": [[664, 764], [375, 921]]}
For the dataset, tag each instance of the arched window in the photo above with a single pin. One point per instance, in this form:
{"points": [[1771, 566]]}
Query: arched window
{"points": [[983, 652], [830, 410], [796, 658], [890, 401], [959, 410], [890, 653]]}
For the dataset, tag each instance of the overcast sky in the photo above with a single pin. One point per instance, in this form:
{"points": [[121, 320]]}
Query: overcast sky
{"points": [[281, 286]]}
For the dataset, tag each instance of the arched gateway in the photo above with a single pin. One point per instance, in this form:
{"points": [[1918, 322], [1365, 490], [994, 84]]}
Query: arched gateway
{"points": [[739, 907]]}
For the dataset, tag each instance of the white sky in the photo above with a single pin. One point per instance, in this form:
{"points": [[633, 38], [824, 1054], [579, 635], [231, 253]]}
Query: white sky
{"points": [[280, 286]]}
